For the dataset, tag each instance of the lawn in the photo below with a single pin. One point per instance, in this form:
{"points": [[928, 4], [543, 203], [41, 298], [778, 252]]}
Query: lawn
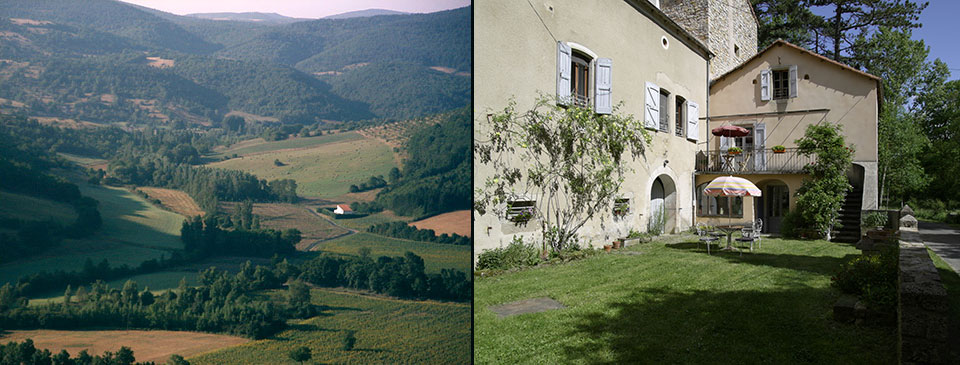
{"points": [[673, 303], [388, 331], [321, 170], [951, 281], [435, 256], [257, 146]]}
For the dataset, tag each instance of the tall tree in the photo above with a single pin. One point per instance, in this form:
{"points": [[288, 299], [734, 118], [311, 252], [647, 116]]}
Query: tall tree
{"points": [[852, 21], [790, 20]]}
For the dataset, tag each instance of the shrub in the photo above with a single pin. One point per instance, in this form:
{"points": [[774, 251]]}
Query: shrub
{"points": [[872, 277], [874, 219], [515, 255]]}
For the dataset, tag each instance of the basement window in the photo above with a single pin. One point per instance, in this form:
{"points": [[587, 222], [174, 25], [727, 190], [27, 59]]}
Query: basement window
{"points": [[521, 211]]}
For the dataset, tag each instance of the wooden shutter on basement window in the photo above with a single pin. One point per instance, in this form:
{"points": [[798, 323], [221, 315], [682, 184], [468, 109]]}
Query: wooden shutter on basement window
{"points": [[563, 73], [651, 115], [793, 81], [693, 119], [765, 85], [603, 100]]}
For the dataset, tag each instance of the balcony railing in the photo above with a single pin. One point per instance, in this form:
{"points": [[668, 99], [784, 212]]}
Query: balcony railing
{"points": [[752, 161]]}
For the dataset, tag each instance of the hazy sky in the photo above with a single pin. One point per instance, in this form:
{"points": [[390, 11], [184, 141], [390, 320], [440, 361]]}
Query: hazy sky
{"points": [[297, 8]]}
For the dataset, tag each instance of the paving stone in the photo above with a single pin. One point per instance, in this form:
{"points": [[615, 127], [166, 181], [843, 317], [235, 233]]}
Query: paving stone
{"points": [[534, 305]]}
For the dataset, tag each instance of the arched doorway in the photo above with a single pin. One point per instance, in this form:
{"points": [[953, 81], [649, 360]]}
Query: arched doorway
{"points": [[663, 205], [773, 205]]}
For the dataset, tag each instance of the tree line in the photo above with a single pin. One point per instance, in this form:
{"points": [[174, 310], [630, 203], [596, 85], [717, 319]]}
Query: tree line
{"points": [[27, 353], [402, 230]]}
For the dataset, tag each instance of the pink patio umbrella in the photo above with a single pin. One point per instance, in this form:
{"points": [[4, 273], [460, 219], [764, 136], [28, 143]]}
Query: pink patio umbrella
{"points": [[730, 131], [731, 186]]}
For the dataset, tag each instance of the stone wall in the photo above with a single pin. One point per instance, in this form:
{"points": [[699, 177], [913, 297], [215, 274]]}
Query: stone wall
{"points": [[922, 322], [727, 27]]}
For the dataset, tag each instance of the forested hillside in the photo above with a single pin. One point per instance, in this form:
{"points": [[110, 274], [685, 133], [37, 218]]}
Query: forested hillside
{"points": [[89, 59]]}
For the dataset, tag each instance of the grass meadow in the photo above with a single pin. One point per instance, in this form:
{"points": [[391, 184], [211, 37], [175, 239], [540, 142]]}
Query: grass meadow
{"points": [[665, 302], [388, 331], [28, 208], [324, 168], [436, 256]]}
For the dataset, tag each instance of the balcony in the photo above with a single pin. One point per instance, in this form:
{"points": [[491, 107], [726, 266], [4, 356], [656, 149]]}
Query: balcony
{"points": [[752, 162]]}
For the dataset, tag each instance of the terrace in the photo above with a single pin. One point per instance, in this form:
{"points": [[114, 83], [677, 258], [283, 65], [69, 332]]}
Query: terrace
{"points": [[763, 161]]}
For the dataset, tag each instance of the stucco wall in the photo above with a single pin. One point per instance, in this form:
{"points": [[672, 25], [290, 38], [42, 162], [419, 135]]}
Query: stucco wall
{"points": [[793, 182], [515, 57]]}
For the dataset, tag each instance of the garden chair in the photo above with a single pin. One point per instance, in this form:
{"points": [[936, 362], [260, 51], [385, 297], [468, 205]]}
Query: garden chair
{"points": [[706, 237], [752, 234]]}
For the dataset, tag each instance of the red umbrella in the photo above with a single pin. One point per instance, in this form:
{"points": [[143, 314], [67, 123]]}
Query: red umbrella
{"points": [[730, 131]]}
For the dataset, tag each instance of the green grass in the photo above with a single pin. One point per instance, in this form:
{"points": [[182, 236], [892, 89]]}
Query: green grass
{"points": [[435, 256], [325, 171], [71, 255], [673, 303], [82, 160], [388, 331], [129, 218], [951, 281], [291, 143], [28, 208], [363, 223]]}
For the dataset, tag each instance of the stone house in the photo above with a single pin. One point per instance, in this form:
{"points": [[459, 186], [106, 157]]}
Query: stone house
{"points": [[671, 64], [775, 95]]}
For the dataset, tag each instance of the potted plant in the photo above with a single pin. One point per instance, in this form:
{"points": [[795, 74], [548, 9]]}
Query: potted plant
{"points": [[734, 151], [607, 247], [523, 215], [617, 244], [779, 149]]}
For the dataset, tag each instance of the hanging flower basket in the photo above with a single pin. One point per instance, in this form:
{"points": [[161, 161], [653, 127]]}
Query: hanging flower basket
{"points": [[779, 149]]}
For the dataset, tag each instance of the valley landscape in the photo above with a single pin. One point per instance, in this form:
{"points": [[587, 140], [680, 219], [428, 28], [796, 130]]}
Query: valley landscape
{"points": [[168, 185]]}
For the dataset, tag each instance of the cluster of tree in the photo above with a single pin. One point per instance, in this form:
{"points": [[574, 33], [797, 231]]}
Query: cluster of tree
{"points": [[366, 208], [821, 196], [204, 237], [47, 281], [375, 182], [437, 176], [220, 306], [27, 353], [402, 230], [401, 277]]}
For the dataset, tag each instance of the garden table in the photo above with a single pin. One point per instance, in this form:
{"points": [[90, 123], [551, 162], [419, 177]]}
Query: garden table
{"points": [[728, 229]]}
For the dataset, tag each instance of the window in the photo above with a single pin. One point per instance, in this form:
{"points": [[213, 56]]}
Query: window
{"points": [[583, 80], [781, 84], [521, 211], [580, 80], [718, 206], [680, 119], [664, 113], [621, 207]]}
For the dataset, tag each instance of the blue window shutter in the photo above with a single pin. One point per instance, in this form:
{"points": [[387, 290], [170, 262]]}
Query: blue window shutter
{"points": [[563, 73], [651, 114], [603, 100], [793, 81], [693, 120]]}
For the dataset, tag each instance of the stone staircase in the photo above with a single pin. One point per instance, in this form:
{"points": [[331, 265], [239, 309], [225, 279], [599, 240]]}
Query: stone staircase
{"points": [[850, 218]]}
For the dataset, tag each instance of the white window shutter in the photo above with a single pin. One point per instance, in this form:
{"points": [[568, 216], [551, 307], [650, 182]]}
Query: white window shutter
{"points": [[563, 73], [651, 114], [693, 120], [603, 100], [793, 81], [760, 146], [765, 85]]}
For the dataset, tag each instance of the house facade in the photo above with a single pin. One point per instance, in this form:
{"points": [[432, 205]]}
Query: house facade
{"points": [[597, 54], [775, 95], [682, 68]]}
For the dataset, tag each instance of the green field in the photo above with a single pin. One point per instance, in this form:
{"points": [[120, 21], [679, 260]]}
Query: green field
{"points": [[82, 160], [128, 218], [435, 256], [242, 149], [388, 331], [28, 208], [71, 255], [373, 219], [325, 170]]}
